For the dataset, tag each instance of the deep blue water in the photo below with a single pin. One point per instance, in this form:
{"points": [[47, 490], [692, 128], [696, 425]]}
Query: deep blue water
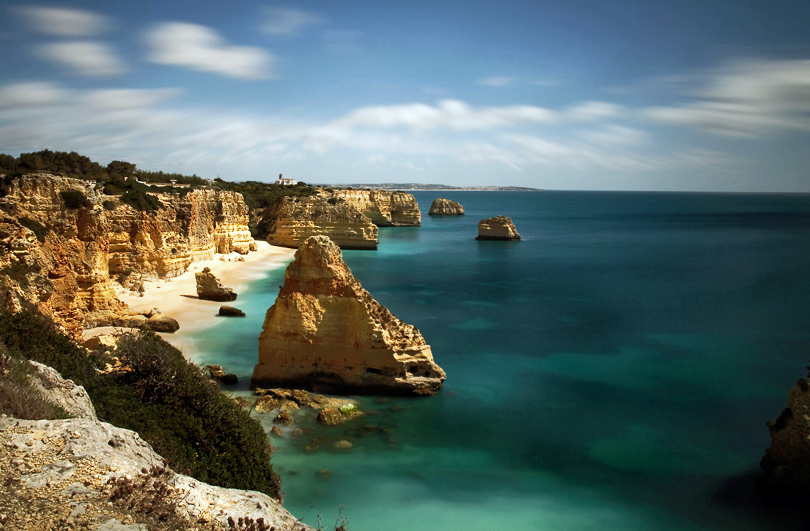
{"points": [[612, 370]]}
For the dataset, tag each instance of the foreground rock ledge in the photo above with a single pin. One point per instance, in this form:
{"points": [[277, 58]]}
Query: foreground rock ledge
{"points": [[326, 332], [497, 228]]}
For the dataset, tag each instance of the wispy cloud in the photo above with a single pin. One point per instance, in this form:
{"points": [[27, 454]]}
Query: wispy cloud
{"points": [[87, 58], [65, 22], [746, 98], [203, 49], [288, 21], [498, 81]]}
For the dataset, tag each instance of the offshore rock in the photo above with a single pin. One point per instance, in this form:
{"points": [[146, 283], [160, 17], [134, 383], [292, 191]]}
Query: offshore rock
{"points": [[326, 331], [787, 461], [291, 220], [211, 289], [445, 207], [497, 228], [230, 311], [384, 209]]}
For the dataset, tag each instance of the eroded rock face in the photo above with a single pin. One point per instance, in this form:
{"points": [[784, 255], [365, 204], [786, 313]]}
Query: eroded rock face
{"points": [[326, 331], [291, 220], [384, 209], [211, 289], [66, 463], [787, 462], [497, 228], [445, 207], [64, 260], [63, 393]]}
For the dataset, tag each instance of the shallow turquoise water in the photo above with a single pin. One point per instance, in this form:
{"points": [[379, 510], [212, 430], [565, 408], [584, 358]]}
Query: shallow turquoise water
{"points": [[612, 370]]}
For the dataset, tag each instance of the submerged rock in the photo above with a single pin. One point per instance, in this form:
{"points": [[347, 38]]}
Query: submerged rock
{"points": [[211, 289], [445, 207], [497, 228], [325, 330]]}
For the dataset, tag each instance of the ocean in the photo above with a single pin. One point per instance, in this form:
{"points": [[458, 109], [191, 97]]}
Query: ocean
{"points": [[614, 369]]}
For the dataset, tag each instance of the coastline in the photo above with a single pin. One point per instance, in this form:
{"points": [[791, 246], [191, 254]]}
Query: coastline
{"points": [[177, 297]]}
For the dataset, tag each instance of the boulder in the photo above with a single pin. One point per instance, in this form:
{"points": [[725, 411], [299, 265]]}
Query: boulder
{"points": [[331, 416], [497, 228], [159, 322], [230, 311], [324, 328], [211, 289], [60, 392], [445, 207], [786, 462]]}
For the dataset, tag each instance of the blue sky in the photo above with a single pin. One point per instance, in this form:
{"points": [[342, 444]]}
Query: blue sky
{"points": [[576, 94]]}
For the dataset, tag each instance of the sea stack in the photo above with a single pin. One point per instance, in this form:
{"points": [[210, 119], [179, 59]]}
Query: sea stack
{"points": [[787, 462], [211, 289], [497, 228], [445, 207], [327, 333]]}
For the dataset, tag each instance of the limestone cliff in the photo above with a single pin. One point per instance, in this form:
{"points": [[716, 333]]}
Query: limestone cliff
{"points": [[497, 228], [291, 220], [384, 209], [63, 256], [445, 207], [326, 330], [787, 462]]}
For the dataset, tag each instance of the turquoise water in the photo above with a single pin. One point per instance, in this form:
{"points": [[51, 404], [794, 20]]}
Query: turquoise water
{"points": [[612, 370]]}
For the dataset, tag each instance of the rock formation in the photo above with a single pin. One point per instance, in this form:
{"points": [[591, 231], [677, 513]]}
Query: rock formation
{"points": [[384, 209], [497, 228], [445, 207], [230, 311], [291, 220], [63, 474], [211, 289], [63, 393], [325, 331], [787, 462], [62, 259]]}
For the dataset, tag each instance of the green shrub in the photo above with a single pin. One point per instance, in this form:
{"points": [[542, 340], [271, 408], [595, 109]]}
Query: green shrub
{"points": [[166, 399], [140, 200], [73, 198], [18, 397]]}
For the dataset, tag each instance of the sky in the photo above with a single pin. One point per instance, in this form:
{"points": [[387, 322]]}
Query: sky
{"points": [[693, 95]]}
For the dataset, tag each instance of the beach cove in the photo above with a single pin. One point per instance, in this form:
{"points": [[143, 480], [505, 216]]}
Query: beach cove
{"points": [[614, 368]]}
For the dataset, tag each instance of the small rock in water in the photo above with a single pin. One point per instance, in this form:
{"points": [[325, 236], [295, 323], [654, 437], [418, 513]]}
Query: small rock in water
{"points": [[230, 311], [343, 445]]}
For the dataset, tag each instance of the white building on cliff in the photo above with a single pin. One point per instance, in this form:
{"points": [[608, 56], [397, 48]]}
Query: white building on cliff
{"points": [[285, 182]]}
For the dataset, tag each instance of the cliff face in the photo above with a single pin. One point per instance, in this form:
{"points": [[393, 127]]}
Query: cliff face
{"points": [[326, 331], [291, 220], [61, 259], [384, 209], [445, 207], [787, 462]]}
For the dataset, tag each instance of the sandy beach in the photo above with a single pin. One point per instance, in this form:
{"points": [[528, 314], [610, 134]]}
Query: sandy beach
{"points": [[177, 297]]}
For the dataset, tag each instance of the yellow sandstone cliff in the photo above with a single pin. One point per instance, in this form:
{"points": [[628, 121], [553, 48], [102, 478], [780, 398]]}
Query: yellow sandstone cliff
{"points": [[63, 258], [384, 209], [325, 331]]}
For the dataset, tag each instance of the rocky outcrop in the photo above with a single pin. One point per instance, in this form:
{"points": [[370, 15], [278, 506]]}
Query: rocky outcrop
{"points": [[497, 228], [64, 256], [72, 398], [211, 289], [787, 461], [326, 332], [230, 311], [77, 473], [445, 207], [291, 220], [384, 209]]}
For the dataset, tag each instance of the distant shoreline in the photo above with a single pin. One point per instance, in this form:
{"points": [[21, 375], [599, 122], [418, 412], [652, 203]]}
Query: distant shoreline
{"points": [[421, 187]]}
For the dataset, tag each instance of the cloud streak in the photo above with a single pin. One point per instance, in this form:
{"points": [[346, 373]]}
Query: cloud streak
{"points": [[64, 22], [87, 58], [203, 49], [287, 21]]}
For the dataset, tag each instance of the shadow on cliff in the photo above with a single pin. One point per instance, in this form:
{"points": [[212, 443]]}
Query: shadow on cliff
{"points": [[746, 493]]}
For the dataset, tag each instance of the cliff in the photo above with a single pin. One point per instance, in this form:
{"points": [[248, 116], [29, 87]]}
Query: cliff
{"points": [[61, 255], [445, 207], [291, 220], [384, 209], [787, 461], [497, 228], [325, 331]]}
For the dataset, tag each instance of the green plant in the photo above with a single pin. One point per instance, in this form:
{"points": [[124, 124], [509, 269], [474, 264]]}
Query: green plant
{"points": [[140, 200], [18, 396], [73, 198]]}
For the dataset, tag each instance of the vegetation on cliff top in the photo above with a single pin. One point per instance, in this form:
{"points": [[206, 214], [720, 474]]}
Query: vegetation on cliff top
{"points": [[164, 398]]}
